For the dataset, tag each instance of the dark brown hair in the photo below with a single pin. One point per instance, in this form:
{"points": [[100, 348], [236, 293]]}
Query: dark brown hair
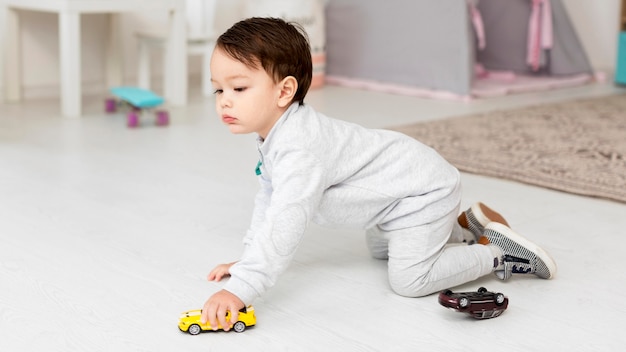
{"points": [[281, 48]]}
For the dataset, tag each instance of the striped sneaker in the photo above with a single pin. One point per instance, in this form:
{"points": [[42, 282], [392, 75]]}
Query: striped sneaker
{"points": [[520, 256], [477, 217]]}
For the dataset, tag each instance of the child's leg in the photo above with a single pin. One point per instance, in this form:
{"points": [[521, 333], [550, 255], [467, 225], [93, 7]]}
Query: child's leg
{"points": [[420, 263], [377, 243], [460, 234]]}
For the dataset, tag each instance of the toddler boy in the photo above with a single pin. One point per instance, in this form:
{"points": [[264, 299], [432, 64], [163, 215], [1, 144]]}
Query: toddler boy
{"points": [[313, 168]]}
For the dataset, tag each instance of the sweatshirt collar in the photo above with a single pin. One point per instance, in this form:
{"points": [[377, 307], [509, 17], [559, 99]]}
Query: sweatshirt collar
{"points": [[265, 144]]}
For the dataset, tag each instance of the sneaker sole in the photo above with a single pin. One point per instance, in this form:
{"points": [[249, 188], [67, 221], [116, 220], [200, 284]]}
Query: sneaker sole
{"points": [[485, 215], [520, 240]]}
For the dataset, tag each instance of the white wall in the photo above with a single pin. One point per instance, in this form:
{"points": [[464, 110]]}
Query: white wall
{"points": [[596, 23]]}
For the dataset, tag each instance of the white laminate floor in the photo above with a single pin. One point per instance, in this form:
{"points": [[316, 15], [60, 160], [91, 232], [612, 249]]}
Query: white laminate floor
{"points": [[107, 234]]}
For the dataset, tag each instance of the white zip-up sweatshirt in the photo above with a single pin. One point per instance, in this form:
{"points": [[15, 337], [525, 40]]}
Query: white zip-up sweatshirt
{"points": [[335, 173]]}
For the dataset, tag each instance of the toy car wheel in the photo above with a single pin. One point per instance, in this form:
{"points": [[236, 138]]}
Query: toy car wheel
{"points": [[239, 326], [482, 290], [499, 299], [162, 118], [110, 105], [194, 329], [132, 119], [464, 302]]}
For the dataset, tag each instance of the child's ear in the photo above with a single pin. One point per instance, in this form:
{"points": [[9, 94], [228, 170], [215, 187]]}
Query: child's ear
{"points": [[288, 87]]}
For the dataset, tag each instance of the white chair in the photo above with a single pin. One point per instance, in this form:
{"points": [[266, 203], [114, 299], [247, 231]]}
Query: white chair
{"points": [[201, 39]]}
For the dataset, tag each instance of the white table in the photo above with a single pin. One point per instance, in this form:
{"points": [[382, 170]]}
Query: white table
{"points": [[69, 45]]}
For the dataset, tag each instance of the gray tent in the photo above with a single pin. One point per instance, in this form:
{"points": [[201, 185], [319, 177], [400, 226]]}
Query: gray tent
{"points": [[432, 44]]}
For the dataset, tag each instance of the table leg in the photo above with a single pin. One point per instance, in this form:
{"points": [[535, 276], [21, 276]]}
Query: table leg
{"points": [[143, 65], [114, 64], [69, 39], [176, 56], [12, 56]]}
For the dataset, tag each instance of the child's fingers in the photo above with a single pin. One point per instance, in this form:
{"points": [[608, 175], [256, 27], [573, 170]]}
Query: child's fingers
{"points": [[215, 274], [221, 316], [205, 314], [209, 315], [234, 316]]}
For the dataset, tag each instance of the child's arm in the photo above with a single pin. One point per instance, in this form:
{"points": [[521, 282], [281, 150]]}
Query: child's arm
{"points": [[220, 271], [215, 308], [282, 211], [280, 219], [261, 203]]}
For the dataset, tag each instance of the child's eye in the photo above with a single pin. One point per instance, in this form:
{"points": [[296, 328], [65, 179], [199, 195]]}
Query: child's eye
{"points": [[218, 91], [240, 89]]}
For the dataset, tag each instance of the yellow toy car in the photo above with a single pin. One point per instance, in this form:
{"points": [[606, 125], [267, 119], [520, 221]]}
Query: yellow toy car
{"points": [[190, 321]]}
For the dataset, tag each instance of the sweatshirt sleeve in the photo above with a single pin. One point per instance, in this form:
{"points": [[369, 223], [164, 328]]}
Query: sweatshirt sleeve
{"points": [[261, 203], [296, 189]]}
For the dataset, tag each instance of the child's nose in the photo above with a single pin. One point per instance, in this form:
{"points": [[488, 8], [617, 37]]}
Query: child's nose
{"points": [[225, 101]]}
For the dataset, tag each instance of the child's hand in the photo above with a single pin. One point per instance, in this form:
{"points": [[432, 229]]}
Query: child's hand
{"points": [[219, 272], [215, 308]]}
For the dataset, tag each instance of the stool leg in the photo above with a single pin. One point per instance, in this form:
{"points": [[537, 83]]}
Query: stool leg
{"points": [[69, 44], [143, 65], [114, 64], [12, 54], [207, 87]]}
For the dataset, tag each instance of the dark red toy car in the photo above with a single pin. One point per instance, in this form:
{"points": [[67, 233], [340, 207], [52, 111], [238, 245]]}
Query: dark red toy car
{"points": [[481, 304]]}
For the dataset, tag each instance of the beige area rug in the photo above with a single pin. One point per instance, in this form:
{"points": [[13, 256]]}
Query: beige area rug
{"points": [[576, 146]]}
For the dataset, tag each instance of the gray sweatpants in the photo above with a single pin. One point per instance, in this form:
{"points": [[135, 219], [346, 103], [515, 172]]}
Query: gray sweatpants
{"points": [[425, 259]]}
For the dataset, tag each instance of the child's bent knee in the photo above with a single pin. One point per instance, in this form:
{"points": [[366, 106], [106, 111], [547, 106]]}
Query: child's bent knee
{"points": [[410, 286]]}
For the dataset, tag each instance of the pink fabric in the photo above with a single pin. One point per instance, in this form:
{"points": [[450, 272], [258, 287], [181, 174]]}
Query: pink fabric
{"points": [[523, 84], [540, 30], [394, 88], [477, 20], [496, 83], [480, 71]]}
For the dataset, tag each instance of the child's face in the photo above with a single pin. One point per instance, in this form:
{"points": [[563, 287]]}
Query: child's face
{"points": [[246, 99]]}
